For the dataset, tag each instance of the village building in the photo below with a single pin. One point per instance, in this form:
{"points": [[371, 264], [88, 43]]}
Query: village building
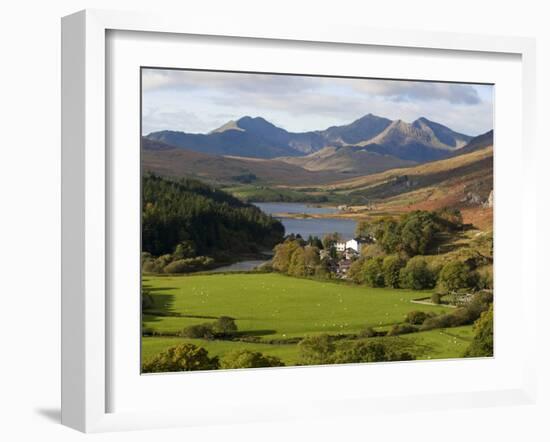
{"points": [[350, 254], [355, 244], [343, 268]]}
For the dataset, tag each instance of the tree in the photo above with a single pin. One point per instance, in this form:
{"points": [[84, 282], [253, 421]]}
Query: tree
{"points": [[485, 277], [416, 275], [402, 329], [361, 352], [387, 233], [297, 266], [452, 217], [295, 260], [315, 241], [416, 317], [366, 351], [418, 232], [330, 239], [365, 229], [391, 267], [198, 331], [188, 265], [478, 304], [283, 254], [374, 275], [482, 344], [185, 249], [311, 259], [224, 326], [183, 357], [355, 272], [249, 359], [415, 233], [322, 270], [454, 275], [316, 350], [373, 251], [471, 312]]}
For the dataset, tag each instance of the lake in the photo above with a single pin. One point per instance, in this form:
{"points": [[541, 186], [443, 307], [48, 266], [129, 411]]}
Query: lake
{"points": [[304, 227], [241, 266], [310, 226]]}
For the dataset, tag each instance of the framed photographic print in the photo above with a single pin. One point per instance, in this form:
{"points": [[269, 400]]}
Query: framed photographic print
{"points": [[301, 220]]}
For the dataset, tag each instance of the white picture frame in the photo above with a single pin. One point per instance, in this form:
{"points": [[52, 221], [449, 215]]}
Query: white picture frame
{"points": [[86, 211]]}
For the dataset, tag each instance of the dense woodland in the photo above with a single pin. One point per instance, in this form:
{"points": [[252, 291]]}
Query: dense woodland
{"points": [[189, 220]]}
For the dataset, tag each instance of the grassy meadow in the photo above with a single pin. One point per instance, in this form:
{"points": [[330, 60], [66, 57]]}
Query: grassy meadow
{"points": [[275, 310]]}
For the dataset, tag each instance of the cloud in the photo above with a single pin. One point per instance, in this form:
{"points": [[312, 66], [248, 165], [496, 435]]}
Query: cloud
{"points": [[155, 79], [258, 84], [399, 90], [155, 119], [198, 101]]}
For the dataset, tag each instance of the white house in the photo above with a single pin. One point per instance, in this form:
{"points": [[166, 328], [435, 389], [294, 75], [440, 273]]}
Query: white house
{"points": [[354, 244], [340, 246]]}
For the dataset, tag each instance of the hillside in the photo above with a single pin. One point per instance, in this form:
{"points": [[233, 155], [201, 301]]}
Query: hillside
{"points": [[416, 141], [363, 128], [446, 136], [206, 221], [347, 175], [477, 143], [462, 181], [348, 159], [166, 160]]}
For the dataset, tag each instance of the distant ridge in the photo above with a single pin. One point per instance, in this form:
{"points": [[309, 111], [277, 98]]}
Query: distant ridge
{"points": [[348, 159], [255, 137], [165, 160], [480, 142]]}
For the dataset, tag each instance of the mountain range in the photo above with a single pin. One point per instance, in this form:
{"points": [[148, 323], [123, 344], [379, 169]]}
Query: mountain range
{"points": [[328, 165], [400, 142], [463, 181]]}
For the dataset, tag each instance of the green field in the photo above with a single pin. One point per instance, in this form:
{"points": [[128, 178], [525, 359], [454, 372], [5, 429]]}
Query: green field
{"points": [[272, 306], [254, 193]]}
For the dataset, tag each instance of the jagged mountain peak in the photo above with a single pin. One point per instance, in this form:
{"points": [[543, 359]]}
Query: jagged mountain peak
{"points": [[445, 135], [254, 136]]}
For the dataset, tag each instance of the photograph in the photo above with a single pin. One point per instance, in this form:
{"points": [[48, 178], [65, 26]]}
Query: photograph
{"points": [[290, 219]]}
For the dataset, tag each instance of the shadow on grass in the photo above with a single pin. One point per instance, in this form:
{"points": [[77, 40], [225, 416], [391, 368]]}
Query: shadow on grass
{"points": [[245, 333], [152, 289], [163, 303]]}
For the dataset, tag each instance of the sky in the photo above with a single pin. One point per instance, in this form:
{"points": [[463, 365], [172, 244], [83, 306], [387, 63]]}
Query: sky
{"points": [[201, 101]]}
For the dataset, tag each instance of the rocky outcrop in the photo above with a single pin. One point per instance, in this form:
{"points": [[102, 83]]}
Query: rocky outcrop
{"points": [[472, 198]]}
